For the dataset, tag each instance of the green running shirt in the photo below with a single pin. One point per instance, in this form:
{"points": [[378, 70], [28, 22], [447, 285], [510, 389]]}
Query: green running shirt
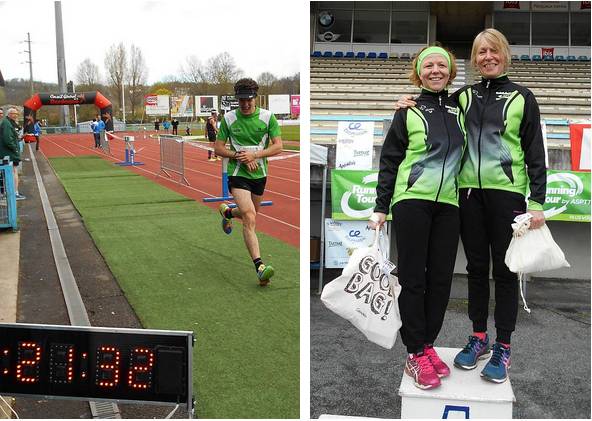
{"points": [[248, 133]]}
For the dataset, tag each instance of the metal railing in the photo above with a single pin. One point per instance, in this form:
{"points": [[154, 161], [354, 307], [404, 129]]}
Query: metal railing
{"points": [[171, 156]]}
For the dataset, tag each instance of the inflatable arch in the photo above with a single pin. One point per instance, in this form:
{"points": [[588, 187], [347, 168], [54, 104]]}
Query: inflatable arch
{"points": [[38, 100]]}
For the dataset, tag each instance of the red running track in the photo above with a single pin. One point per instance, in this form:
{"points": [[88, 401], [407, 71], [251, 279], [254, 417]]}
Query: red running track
{"points": [[281, 220]]}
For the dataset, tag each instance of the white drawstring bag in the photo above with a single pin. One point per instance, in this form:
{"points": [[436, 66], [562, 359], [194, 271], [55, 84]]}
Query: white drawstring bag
{"points": [[366, 294], [532, 251]]}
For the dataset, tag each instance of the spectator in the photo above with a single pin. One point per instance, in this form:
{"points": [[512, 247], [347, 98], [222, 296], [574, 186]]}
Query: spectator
{"points": [[188, 131], [156, 125], [37, 133], [175, 124], [210, 135], [166, 125], [9, 145]]}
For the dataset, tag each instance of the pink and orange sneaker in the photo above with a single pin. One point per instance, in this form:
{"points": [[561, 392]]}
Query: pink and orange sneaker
{"points": [[421, 369], [440, 366]]}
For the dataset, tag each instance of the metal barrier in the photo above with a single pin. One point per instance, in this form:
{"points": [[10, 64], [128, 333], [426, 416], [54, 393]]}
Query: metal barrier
{"points": [[171, 156], [104, 143], [8, 217]]}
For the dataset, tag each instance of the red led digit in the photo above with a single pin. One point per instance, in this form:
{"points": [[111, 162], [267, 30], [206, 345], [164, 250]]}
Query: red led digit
{"points": [[107, 369], [140, 370], [27, 362], [5, 361], [61, 363]]}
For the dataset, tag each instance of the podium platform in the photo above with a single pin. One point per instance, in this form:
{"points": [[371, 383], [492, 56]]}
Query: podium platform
{"points": [[463, 394]]}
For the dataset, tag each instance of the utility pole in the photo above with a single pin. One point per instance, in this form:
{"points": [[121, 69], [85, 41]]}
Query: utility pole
{"points": [[28, 41], [61, 59]]}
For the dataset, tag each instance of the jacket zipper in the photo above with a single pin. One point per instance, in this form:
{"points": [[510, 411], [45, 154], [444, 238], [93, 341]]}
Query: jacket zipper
{"points": [[480, 130], [443, 113]]}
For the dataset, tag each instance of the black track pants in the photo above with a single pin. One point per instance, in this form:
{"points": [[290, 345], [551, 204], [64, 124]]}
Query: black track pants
{"points": [[486, 218], [427, 239]]}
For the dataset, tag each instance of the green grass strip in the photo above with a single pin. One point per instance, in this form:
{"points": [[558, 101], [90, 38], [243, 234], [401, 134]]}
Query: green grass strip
{"points": [[180, 271]]}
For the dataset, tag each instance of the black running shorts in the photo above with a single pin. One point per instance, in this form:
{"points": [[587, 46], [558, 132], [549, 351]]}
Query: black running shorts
{"points": [[212, 136], [254, 185]]}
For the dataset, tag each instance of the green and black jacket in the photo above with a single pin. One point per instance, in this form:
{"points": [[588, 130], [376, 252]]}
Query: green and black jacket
{"points": [[421, 154], [504, 140]]}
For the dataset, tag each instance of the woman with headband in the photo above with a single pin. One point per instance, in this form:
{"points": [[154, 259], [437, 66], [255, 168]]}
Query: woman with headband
{"points": [[419, 164], [505, 159]]}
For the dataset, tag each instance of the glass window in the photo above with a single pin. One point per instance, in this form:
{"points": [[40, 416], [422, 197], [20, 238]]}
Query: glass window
{"points": [[333, 25], [332, 5], [409, 27], [411, 5], [371, 26], [541, 33], [580, 29], [372, 5], [514, 26]]}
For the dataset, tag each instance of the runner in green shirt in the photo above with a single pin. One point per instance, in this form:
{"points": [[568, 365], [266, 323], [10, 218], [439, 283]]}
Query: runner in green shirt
{"points": [[254, 135]]}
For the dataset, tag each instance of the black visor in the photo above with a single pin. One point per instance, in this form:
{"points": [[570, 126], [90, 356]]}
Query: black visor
{"points": [[245, 94]]}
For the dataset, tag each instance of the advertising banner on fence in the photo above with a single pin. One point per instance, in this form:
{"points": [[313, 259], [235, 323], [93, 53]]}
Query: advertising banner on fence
{"points": [[279, 104], [228, 103], [156, 104], [579, 137], [342, 238], [295, 105], [205, 104], [568, 196], [182, 106], [353, 194], [355, 141]]}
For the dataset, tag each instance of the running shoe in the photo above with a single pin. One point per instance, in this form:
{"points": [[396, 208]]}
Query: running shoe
{"points": [[226, 222], [211, 159], [20, 196], [496, 369], [473, 351], [264, 273], [440, 366], [421, 369]]}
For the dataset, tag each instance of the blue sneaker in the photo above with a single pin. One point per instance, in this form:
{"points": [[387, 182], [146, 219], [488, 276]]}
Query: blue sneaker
{"points": [[496, 369], [472, 352], [226, 222]]}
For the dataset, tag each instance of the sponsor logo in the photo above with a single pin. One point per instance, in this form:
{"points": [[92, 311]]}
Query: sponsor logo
{"points": [[346, 141], [365, 197], [426, 109], [335, 244], [502, 95], [477, 94], [562, 189], [355, 129], [452, 110], [361, 153], [346, 164], [511, 5], [354, 233]]}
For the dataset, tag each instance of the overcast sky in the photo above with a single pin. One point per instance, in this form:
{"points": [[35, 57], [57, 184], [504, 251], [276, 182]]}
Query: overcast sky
{"points": [[260, 35]]}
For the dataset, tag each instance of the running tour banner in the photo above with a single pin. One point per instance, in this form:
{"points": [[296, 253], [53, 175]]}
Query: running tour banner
{"points": [[342, 238], [353, 194], [568, 196], [156, 104], [355, 142], [295, 105], [182, 106]]}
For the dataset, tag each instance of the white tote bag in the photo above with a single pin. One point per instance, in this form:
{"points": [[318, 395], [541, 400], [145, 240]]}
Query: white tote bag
{"points": [[366, 294], [532, 251]]}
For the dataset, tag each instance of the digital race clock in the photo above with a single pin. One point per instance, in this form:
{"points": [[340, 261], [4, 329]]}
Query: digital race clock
{"points": [[93, 363]]}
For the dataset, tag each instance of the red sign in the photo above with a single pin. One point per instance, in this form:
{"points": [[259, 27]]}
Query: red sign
{"points": [[511, 5], [548, 52], [150, 100], [579, 136], [584, 5]]}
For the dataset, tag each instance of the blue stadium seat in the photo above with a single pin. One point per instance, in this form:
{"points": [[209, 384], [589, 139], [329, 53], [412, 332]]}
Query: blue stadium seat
{"points": [[583, 58], [524, 57], [316, 54], [383, 56], [338, 54], [571, 58], [372, 55], [361, 54], [536, 57], [327, 54], [559, 58], [548, 58], [349, 54]]}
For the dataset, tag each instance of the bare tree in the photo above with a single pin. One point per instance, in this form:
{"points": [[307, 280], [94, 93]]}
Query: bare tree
{"points": [[136, 75], [193, 71], [266, 80], [116, 64], [87, 73], [222, 69]]}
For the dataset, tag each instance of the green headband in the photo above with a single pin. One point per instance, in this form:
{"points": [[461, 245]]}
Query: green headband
{"points": [[432, 50]]}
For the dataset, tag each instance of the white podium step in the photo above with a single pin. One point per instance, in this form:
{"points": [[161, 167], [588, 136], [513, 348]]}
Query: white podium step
{"points": [[463, 394]]}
